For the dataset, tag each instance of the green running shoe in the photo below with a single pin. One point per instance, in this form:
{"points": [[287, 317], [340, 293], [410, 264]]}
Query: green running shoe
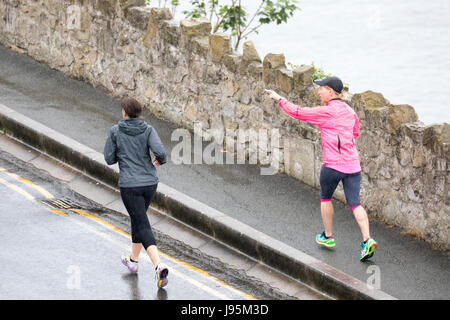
{"points": [[368, 249], [327, 242]]}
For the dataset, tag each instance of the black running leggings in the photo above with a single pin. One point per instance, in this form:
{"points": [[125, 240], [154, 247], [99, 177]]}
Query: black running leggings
{"points": [[136, 201]]}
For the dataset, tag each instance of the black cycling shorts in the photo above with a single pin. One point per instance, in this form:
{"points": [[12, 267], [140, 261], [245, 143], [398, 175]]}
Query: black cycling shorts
{"points": [[329, 180]]}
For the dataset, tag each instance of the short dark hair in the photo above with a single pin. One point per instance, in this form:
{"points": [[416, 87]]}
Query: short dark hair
{"points": [[132, 107]]}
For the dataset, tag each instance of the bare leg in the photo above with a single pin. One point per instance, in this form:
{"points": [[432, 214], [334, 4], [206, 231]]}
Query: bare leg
{"points": [[152, 252], [327, 211], [135, 251], [363, 221]]}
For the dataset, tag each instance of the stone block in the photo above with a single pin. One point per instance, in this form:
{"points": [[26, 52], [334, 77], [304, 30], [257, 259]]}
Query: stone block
{"points": [[138, 17], [436, 137], [404, 157], [150, 92], [126, 4], [190, 112], [54, 7], [45, 25], [369, 145], [242, 111], [220, 44], [90, 58], [105, 42], [200, 45], [85, 21], [284, 79], [368, 100], [371, 169], [249, 55], [399, 114], [446, 140], [432, 137], [232, 61], [31, 10], [255, 69], [272, 62], [170, 32], [419, 158], [313, 97], [303, 77], [299, 159], [214, 75], [156, 15], [244, 95], [413, 130], [195, 27], [230, 88], [67, 57], [197, 74], [372, 107], [105, 7]]}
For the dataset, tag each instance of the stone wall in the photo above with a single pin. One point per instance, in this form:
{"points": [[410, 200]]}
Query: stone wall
{"points": [[187, 75]]}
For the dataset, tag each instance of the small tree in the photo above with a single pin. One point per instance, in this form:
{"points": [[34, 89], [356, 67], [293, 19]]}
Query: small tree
{"points": [[233, 16]]}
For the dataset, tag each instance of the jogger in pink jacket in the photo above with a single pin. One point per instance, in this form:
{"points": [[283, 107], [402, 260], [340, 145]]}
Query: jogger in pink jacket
{"points": [[339, 127]]}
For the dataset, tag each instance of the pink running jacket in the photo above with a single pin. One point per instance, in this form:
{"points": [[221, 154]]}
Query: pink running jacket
{"points": [[339, 127]]}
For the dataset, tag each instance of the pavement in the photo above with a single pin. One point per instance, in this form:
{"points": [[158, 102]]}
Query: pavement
{"points": [[278, 206]]}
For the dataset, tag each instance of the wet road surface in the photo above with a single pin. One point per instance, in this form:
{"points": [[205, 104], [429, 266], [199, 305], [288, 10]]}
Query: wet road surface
{"points": [[52, 251]]}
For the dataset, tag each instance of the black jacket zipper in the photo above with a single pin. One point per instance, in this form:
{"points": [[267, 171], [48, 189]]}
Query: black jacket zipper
{"points": [[339, 144]]}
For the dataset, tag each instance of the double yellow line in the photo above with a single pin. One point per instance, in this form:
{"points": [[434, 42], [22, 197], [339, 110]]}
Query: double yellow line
{"points": [[49, 196], [24, 193], [44, 192]]}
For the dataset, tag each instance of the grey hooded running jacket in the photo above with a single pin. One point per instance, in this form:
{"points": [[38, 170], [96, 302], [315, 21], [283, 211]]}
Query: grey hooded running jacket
{"points": [[129, 143]]}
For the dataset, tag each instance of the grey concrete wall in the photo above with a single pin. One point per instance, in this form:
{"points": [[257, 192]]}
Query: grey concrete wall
{"points": [[183, 73]]}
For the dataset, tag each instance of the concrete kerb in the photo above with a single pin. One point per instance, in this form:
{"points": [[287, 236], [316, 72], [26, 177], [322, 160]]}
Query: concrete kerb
{"points": [[208, 220]]}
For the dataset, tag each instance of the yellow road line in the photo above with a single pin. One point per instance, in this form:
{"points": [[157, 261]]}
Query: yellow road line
{"points": [[97, 219], [44, 192], [59, 212], [17, 189]]}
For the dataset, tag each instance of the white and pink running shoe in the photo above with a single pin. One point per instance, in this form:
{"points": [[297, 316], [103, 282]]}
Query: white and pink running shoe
{"points": [[161, 275], [132, 266]]}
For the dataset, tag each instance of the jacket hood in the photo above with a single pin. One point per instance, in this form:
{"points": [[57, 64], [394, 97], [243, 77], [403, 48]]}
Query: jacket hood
{"points": [[132, 126]]}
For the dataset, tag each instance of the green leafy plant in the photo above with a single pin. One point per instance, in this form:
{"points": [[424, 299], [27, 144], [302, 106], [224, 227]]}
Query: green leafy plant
{"points": [[319, 73]]}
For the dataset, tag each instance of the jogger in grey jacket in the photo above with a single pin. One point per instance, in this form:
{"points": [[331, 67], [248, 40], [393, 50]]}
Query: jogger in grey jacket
{"points": [[129, 143], [135, 138]]}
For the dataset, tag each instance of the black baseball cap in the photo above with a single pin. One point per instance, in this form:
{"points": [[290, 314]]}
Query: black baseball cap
{"points": [[333, 82]]}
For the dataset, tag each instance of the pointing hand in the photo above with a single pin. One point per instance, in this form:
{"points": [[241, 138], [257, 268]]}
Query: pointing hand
{"points": [[273, 95]]}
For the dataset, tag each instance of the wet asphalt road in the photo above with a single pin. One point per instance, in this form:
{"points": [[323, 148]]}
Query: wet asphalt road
{"points": [[279, 206], [61, 254]]}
